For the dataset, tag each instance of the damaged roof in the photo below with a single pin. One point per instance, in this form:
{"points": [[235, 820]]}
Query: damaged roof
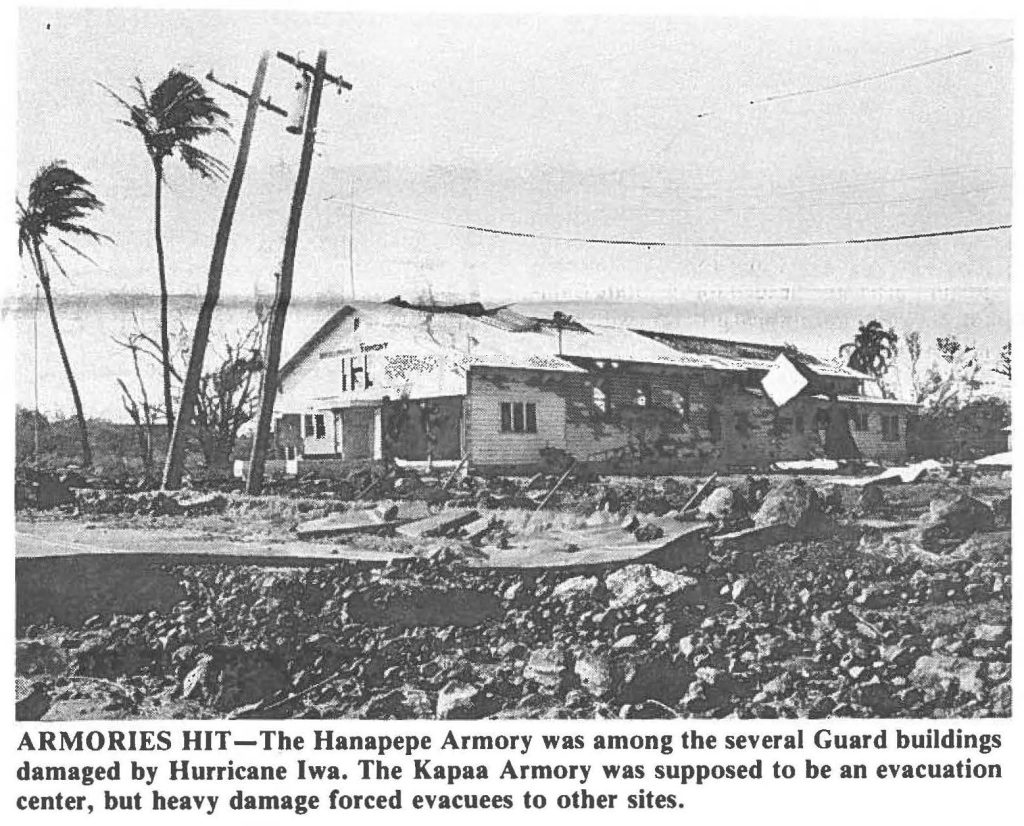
{"points": [[472, 334]]}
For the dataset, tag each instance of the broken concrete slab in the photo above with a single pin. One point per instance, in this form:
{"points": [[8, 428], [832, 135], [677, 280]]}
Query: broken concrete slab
{"points": [[753, 539], [439, 524], [682, 545], [384, 515], [341, 524], [928, 469]]}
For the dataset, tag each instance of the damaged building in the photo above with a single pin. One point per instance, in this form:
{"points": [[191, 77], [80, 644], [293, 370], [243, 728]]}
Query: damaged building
{"points": [[506, 392]]}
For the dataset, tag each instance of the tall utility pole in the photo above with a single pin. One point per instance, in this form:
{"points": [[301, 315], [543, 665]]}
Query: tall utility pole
{"points": [[175, 463], [283, 294]]}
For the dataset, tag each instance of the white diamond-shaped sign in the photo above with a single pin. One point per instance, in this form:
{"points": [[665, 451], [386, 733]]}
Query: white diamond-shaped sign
{"points": [[783, 381]]}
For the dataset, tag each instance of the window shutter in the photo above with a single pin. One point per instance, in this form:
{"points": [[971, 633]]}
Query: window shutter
{"points": [[506, 417]]}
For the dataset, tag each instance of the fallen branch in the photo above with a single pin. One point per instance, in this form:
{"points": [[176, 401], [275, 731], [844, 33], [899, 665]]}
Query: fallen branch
{"points": [[454, 473], [551, 492], [701, 492]]}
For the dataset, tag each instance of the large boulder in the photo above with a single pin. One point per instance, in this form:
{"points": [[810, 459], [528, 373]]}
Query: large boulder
{"points": [[941, 672], [792, 502], [724, 505], [459, 700], [633, 584], [551, 667], [953, 518]]}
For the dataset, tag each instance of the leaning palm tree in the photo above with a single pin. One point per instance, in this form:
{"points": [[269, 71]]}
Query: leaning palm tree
{"points": [[59, 200], [172, 119]]}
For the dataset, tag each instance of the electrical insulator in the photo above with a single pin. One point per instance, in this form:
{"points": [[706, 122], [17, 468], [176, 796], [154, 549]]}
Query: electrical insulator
{"points": [[298, 117]]}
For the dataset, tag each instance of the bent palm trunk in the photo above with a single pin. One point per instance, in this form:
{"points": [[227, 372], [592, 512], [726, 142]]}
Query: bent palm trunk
{"points": [[165, 341], [79, 413]]}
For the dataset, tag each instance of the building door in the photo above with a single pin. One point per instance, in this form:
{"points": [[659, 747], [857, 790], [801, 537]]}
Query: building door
{"points": [[357, 433]]}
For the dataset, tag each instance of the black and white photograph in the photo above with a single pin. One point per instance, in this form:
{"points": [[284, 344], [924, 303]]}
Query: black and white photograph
{"points": [[408, 366]]}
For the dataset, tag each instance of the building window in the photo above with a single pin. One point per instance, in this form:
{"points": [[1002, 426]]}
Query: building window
{"points": [[859, 419], [531, 417], [798, 423], [601, 402], [314, 426], [518, 417], [821, 419], [890, 428]]}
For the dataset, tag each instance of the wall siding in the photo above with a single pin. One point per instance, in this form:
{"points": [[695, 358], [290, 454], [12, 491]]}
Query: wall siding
{"points": [[486, 444], [674, 433]]}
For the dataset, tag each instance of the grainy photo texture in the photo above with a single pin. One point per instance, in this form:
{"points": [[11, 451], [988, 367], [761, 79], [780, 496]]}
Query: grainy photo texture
{"points": [[508, 366]]}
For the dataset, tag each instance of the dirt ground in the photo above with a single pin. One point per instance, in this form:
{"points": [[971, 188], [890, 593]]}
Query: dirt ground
{"points": [[800, 599]]}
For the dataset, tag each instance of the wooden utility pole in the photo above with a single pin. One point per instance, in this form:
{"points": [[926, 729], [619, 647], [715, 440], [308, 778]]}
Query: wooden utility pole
{"points": [[175, 464], [283, 293]]}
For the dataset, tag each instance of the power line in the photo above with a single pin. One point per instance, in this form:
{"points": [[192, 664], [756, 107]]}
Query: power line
{"points": [[631, 242], [844, 84]]}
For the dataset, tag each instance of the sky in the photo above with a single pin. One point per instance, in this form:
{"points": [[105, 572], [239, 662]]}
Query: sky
{"points": [[556, 125]]}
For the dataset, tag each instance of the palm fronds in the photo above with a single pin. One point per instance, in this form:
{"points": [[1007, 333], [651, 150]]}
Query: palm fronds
{"points": [[173, 117]]}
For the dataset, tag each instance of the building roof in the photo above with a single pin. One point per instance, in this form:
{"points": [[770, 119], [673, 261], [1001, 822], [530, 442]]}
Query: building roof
{"points": [[745, 355], [473, 335]]}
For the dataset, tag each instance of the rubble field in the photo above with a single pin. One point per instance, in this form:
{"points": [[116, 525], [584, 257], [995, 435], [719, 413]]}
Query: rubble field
{"points": [[791, 597]]}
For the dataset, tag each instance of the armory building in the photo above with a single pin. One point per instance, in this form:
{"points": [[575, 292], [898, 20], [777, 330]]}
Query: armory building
{"points": [[498, 388]]}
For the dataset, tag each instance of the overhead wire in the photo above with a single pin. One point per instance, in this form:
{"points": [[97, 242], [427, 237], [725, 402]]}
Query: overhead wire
{"points": [[641, 242]]}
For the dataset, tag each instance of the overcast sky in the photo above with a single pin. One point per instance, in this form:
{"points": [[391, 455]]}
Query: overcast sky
{"points": [[557, 125]]}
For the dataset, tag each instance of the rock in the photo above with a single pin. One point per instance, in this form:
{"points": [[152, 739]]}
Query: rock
{"points": [[711, 688], [634, 584], [648, 532], [739, 588], [724, 505], [31, 699], [792, 502], [459, 701], [551, 667], [577, 587], [407, 484], [955, 518], [34, 657], [398, 704], [229, 677], [630, 523], [992, 634], [597, 673], [386, 510], [1002, 510], [939, 671]]}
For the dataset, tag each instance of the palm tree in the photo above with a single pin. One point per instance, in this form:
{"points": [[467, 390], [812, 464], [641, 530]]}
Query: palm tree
{"points": [[172, 119], [59, 200], [872, 349]]}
